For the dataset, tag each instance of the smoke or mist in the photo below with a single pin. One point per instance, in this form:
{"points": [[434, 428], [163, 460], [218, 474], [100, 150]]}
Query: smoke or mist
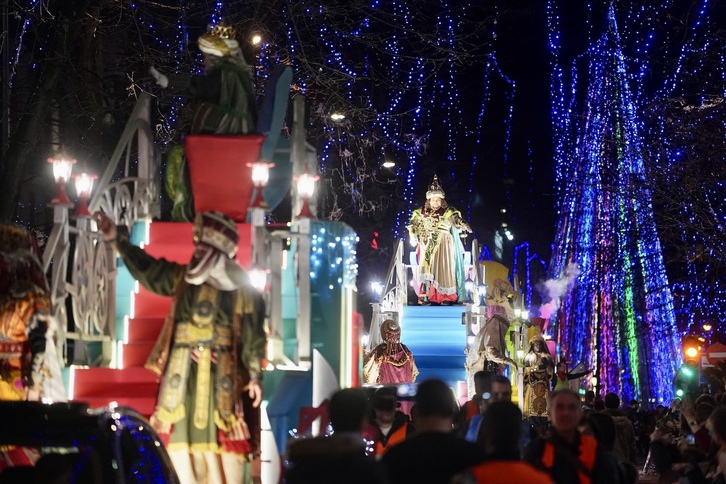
{"points": [[554, 289]]}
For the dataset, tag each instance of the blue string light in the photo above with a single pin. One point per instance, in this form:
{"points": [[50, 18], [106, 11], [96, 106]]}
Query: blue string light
{"points": [[619, 317]]}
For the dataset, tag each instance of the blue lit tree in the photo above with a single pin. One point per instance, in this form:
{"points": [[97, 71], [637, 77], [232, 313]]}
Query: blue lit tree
{"points": [[618, 315]]}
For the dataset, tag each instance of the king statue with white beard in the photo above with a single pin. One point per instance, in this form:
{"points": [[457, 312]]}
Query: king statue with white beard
{"points": [[209, 352]]}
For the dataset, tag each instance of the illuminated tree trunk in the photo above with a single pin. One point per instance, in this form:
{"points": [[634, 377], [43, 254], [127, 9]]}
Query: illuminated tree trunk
{"points": [[617, 316]]}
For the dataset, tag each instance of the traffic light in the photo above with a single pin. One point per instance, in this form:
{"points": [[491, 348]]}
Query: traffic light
{"points": [[686, 380], [688, 376], [692, 347]]}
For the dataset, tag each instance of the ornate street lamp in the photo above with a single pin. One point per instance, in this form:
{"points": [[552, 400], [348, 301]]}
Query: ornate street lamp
{"points": [[260, 177], [258, 278], [377, 290], [84, 187], [469, 286], [62, 167], [305, 190], [482, 291]]}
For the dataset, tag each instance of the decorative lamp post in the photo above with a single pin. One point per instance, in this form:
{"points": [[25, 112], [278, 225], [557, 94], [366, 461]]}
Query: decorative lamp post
{"points": [[305, 190], [377, 290], [258, 278], [62, 167], [84, 186], [260, 176], [482, 291], [469, 286]]}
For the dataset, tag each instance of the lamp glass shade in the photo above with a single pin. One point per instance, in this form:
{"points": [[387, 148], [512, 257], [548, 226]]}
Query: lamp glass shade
{"points": [[258, 278], [84, 184], [306, 185], [469, 284], [62, 168], [260, 173]]}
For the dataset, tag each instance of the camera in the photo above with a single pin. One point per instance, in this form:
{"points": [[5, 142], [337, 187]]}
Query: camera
{"points": [[406, 390]]}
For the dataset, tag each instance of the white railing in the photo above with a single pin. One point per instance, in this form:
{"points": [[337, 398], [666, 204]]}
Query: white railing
{"points": [[127, 192], [394, 294]]}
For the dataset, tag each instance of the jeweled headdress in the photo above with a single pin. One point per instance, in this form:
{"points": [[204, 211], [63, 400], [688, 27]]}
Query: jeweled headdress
{"points": [[390, 331], [216, 230], [435, 189], [219, 41]]}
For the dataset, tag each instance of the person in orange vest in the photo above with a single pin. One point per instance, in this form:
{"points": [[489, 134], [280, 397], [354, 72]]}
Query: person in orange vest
{"points": [[567, 455], [500, 438], [388, 426]]}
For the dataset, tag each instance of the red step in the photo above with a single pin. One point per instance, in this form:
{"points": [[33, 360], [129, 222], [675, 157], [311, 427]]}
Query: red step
{"points": [[143, 329], [150, 305], [129, 381], [132, 387], [135, 354]]}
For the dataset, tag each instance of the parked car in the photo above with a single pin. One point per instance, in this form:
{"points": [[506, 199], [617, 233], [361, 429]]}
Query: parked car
{"points": [[72, 443]]}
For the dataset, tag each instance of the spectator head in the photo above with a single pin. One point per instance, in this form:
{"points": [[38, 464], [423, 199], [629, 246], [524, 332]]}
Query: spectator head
{"points": [[716, 425], [384, 404], [482, 382], [564, 412], [435, 398], [612, 401], [589, 397], [705, 398], [634, 404], [348, 410], [601, 426], [501, 429], [704, 410], [501, 389]]}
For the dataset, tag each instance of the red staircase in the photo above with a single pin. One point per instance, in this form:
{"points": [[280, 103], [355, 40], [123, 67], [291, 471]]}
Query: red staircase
{"points": [[131, 384]]}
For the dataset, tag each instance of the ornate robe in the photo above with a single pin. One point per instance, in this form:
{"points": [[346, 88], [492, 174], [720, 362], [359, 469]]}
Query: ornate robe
{"points": [[210, 359], [440, 254]]}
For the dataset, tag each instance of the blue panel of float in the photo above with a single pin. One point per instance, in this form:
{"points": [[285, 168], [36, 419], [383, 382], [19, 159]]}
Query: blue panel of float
{"points": [[437, 338]]}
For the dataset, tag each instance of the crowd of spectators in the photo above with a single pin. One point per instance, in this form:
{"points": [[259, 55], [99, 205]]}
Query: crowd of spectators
{"points": [[588, 440]]}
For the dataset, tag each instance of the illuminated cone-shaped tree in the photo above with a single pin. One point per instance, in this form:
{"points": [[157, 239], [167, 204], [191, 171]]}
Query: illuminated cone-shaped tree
{"points": [[617, 315]]}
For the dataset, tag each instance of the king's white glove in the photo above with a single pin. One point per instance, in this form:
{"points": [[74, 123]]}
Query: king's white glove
{"points": [[161, 79]]}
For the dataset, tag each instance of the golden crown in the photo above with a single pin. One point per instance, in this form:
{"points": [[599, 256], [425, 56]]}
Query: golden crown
{"points": [[435, 189], [223, 31]]}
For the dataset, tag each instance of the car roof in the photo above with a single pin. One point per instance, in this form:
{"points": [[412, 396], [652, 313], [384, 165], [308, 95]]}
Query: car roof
{"points": [[58, 424]]}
